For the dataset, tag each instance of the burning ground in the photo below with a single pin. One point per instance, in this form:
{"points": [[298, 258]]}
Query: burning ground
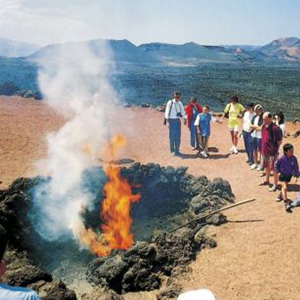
{"points": [[169, 198]]}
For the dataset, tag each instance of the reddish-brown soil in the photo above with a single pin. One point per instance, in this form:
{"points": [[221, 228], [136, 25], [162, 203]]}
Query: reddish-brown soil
{"points": [[257, 256]]}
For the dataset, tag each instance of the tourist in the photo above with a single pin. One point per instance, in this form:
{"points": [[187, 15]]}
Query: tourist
{"points": [[174, 111], [246, 132], [233, 111], [192, 110], [202, 124], [279, 121], [256, 124], [270, 143], [287, 167], [11, 292]]}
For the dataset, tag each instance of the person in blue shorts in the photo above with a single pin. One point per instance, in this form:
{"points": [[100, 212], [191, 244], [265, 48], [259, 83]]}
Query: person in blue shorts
{"points": [[202, 123]]}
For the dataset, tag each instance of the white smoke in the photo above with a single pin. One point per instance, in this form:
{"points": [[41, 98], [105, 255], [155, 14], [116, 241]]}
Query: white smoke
{"points": [[75, 81]]}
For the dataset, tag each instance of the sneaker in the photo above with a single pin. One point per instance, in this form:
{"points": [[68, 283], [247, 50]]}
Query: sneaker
{"points": [[232, 149], [279, 198], [254, 166], [288, 208], [295, 203], [203, 153], [273, 188], [235, 151]]}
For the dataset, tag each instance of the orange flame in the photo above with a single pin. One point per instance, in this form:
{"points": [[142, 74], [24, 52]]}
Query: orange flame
{"points": [[115, 209]]}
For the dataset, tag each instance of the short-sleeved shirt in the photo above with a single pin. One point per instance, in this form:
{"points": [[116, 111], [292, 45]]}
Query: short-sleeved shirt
{"points": [[269, 146], [16, 293], [234, 110], [257, 121], [203, 120], [247, 121]]}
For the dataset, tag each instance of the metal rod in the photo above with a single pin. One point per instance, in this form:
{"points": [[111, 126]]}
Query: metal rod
{"points": [[214, 212]]}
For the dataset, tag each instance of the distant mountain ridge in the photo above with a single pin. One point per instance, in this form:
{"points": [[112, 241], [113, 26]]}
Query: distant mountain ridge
{"points": [[188, 54], [10, 48], [121, 51], [286, 49]]}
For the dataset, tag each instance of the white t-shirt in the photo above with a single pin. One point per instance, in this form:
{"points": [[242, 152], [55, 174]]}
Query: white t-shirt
{"points": [[247, 121], [256, 133], [8, 292], [282, 127], [173, 107]]}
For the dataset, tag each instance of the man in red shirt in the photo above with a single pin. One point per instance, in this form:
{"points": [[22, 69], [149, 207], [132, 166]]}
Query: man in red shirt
{"points": [[192, 110], [270, 143]]}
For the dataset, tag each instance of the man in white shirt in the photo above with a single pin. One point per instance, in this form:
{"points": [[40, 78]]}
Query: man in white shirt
{"points": [[247, 132], [174, 111], [11, 292]]}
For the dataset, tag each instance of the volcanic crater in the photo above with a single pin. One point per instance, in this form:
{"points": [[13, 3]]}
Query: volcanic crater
{"points": [[169, 197]]}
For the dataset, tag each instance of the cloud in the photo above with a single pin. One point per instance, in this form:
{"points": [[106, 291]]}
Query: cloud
{"points": [[42, 25]]}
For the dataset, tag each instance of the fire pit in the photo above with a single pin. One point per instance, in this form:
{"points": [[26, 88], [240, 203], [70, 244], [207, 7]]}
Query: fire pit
{"points": [[168, 198]]}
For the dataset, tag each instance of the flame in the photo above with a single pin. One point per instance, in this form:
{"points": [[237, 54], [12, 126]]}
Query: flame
{"points": [[115, 210]]}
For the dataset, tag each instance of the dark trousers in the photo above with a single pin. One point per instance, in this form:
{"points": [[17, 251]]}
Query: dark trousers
{"points": [[174, 135], [248, 146], [193, 131]]}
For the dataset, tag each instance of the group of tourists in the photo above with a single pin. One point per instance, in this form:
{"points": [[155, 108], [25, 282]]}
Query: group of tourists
{"points": [[262, 133]]}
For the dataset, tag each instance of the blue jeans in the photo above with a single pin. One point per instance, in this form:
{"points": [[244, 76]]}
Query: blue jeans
{"points": [[248, 146], [193, 131], [174, 135]]}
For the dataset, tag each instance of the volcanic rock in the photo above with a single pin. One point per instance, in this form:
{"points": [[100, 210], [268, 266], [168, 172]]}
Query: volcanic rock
{"points": [[161, 108], [21, 271], [145, 105], [169, 198], [296, 134]]}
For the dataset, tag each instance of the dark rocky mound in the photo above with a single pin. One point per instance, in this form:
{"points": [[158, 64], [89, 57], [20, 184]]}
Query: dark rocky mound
{"points": [[169, 198], [21, 271]]}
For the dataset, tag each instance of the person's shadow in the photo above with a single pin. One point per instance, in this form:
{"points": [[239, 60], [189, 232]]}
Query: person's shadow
{"points": [[189, 156], [216, 156], [210, 155], [293, 187]]}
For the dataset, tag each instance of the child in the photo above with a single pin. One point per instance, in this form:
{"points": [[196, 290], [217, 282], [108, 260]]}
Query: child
{"points": [[287, 167], [202, 124]]}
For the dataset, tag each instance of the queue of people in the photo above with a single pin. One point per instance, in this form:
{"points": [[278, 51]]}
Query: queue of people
{"points": [[262, 133]]}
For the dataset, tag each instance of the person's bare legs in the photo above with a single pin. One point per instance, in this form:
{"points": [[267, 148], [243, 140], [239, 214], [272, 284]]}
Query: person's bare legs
{"points": [[268, 171], [255, 155], [232, 137], [235, 138], [275, 177], [284, 190]]}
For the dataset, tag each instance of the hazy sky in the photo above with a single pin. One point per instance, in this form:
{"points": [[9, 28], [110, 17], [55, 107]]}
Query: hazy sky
{"points": [[140, 21]]}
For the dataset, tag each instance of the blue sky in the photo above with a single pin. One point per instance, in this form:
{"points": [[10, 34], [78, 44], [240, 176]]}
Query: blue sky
{"points": [[212, 22]]}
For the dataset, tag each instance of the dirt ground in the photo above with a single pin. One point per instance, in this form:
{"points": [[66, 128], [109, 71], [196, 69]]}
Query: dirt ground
{"points": [[257, 256]]}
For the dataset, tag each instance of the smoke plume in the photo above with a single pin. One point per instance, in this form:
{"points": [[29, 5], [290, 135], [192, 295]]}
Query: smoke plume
{"points": [[74, 79]]}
